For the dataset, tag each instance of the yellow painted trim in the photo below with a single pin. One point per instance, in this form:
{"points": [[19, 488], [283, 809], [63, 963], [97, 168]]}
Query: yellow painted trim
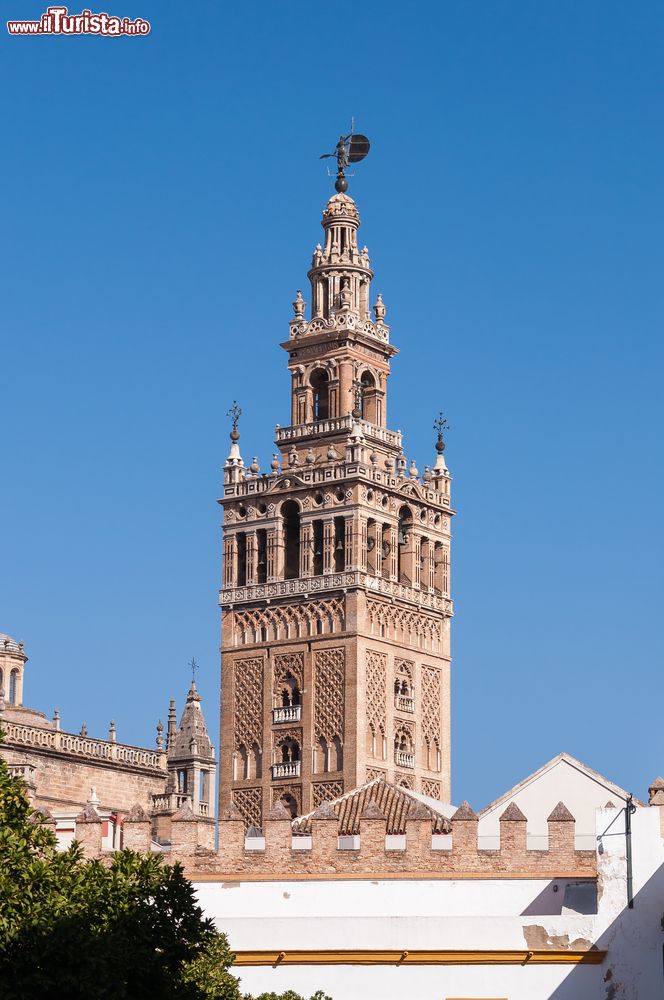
{"points": [[487, 876], [376, 957]]}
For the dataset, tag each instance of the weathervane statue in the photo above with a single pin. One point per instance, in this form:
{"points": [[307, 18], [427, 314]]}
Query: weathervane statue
{"points": [[351, 148]]}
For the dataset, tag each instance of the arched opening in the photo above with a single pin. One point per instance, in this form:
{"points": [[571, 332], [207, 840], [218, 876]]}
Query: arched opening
{"points": [[339, 544], [261, 556], [289, 751], [439, 568], [320, 384], [289, 691], [385, 551], [371, 740], [405, 543], [320, 755], [241, 559], [318, 548], [255, 762], [425, 564], [242, 770], [372, 548], [336, 755], [290, 802], [13, 686], [290, 513], [370, 407]]}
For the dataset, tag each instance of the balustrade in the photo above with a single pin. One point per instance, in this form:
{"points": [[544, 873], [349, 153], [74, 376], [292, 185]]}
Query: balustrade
{"points": [[289, 713], [286, 769]]}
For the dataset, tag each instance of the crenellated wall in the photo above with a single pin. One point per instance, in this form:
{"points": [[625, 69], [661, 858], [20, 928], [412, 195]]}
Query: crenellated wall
{"points": [[280, 853]]}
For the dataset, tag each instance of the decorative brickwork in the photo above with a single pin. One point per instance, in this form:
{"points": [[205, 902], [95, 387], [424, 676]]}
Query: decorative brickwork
{"points": [[325, 791], [287, 665], [249, 703], [290, 795], [376, 685], [411, 628], [431, 788], [289, 621], [282, 735], [249, 801], [340, 542], [375, 772], [404, 780], [431, 713], [329, 701]]}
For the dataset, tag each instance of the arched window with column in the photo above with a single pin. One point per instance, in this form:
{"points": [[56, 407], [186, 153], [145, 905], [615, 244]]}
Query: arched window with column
{"points": [[320, 385], [290, 513], [13, 686], [370, 401]]}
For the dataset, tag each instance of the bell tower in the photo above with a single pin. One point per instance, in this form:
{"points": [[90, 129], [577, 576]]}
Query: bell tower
{"points": [[336, 569]]}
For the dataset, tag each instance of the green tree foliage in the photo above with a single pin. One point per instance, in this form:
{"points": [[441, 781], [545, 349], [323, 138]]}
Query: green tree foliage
{"points": [[128, 929]]}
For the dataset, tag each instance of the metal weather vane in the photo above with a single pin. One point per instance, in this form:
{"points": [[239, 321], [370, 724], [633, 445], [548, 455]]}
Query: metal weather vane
{"points": [[350, 148]]}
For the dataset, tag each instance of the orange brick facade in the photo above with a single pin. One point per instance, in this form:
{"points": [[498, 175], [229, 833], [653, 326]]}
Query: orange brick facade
{"points": [[336, 571]]}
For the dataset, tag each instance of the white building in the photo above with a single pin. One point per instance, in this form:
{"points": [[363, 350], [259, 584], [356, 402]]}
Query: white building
{"points": [[563, 779], [443, 938]]}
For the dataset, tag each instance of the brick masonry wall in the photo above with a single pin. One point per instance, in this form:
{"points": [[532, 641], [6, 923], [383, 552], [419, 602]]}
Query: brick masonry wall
{"points": [[63, 783]]}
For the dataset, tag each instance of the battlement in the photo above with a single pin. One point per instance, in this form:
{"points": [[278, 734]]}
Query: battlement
{"points": [[419, 852]]}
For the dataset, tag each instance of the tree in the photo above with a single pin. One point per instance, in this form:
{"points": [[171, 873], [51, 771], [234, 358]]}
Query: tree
{"points": [[125, 930]]}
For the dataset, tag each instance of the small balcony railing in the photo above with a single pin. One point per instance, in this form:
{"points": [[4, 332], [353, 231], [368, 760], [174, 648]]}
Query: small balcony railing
{"points": [[404, 759], [289, 769], [404, 702], [289, 713]]}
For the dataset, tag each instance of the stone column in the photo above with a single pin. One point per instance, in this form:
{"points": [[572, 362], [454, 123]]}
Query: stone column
{"points": [[393, 554], [362, 542], [350, 560], [328, 545], [306, 548], [230, 561], [251, 557]]}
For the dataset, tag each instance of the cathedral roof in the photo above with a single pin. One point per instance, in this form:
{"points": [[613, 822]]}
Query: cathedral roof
{"points": [[191, 739], [396, 803]]}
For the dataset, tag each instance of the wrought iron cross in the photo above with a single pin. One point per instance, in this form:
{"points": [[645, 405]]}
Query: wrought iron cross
{"points": [[440, 425], [194, 667], [234, 413]]}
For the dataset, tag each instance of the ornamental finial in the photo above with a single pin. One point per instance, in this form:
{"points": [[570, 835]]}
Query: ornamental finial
{"points": [[441, 425], [234, 415]]}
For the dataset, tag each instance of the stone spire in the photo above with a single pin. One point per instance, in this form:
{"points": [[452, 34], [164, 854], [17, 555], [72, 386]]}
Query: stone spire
{"points": [[191, 756], [172, 725], [234, 467], [192, 729]]}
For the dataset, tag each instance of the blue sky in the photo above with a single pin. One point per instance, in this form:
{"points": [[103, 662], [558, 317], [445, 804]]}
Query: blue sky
{"points": [[162, 197]]}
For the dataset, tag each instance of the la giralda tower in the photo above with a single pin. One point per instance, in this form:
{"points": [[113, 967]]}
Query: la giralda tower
{"points": [[335, 602]]}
